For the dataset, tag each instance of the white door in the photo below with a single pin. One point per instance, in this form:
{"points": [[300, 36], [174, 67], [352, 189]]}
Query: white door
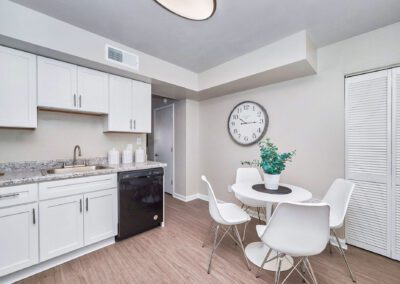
{"points": [[61, 226], [395, 197], [57, 84], [368, 160], [100, 215], [120, 107], [19, 245], [92, 90], [164, 143], [141, 108], [17, 88]]}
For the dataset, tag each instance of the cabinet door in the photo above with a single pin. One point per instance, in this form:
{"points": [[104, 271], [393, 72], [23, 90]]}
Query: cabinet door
{"points": [[92, 90], [61, 226], [141, 107], [56, 84], [19, 247], [120, 105], [100, 215], [17, 88]]}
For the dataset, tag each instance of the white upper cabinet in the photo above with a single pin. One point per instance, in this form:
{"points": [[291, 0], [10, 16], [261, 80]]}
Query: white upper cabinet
{"points": [[141, 110], [92, 90], [120, 107], [57, 87], [69, 87], [17, 89], [129, 106]]}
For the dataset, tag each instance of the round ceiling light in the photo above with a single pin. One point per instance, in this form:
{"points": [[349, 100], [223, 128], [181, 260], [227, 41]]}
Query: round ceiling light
{"points": [[197, 10]]}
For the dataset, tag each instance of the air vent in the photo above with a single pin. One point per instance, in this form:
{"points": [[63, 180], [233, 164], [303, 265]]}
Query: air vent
{"points": [[122, 57]]}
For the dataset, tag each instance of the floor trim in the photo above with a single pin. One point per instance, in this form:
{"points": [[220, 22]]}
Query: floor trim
{"points": [[42, 266]]}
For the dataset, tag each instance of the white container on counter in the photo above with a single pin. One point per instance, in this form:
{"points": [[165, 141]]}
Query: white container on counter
{"points": [[113, 157], [139, 155], [127, 157]]}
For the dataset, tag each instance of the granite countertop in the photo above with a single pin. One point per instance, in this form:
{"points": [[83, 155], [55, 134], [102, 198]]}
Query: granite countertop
{"points": [[31, 172]]}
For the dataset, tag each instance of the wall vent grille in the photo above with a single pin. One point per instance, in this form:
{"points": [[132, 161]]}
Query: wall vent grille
{"points": [[122, 57]]}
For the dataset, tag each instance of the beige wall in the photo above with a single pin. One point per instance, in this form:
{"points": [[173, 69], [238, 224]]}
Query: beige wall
{"points": [[180, 147], [56, 136], [305, 114]]}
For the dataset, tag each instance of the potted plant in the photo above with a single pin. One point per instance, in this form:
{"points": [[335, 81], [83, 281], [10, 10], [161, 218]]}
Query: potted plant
{"points": [[272, 163]]}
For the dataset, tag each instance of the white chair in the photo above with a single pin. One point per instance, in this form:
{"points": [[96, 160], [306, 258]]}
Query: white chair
{"points": [[225, 214], [338, 198], [251, 175], [296, 230]]}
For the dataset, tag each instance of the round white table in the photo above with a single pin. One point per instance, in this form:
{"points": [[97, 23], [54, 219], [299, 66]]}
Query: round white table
{"points": [[257, 251]]}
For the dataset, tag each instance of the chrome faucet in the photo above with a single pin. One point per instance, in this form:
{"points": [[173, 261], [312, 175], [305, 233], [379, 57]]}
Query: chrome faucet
{"points": [[77, 147]]}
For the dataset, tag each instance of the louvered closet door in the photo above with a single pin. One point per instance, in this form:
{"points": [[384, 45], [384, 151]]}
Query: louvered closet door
{"points": [[396, 164], [368, 160]]}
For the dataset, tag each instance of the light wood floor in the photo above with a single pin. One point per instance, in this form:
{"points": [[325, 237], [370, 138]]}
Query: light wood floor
{"points": [[174, 255]]}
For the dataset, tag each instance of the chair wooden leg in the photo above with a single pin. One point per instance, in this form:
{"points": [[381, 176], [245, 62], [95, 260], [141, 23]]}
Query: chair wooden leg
{"points": [[244, 230], [308, 264], [213, 249]]}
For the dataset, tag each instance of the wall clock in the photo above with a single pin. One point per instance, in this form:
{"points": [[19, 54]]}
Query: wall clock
{"points": [[248, 123]]}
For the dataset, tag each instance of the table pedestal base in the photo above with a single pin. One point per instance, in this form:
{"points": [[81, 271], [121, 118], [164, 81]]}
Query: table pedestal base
{"points": [[256, 253]]}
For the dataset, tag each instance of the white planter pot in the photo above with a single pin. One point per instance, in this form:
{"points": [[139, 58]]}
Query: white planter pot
{"points": [[271, 181]]}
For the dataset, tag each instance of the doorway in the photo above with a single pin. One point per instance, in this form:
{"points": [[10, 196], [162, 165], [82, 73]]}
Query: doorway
{"points": [[163, 118]]}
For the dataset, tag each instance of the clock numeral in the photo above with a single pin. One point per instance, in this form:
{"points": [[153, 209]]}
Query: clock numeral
{"points": [[246, 138], [239, 135], [254, 108], [254, 136], [232, 123], [235, 131], [261, 120], [259, 130], [258, 113], [246, 107], [235, 116]]}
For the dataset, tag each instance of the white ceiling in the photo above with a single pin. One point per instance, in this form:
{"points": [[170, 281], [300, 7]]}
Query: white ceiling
{"points": [[237, 27]]}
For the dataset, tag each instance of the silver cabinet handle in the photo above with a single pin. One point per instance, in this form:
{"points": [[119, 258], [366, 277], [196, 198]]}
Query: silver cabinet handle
{"points": [[134, 124], [74, 100], [80, 101], [34, 216], [80, 205], [87, 204], [9, 195], [130, 124]]}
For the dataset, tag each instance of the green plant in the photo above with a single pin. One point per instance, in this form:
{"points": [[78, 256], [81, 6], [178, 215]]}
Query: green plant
{"points": [[271, 162]]}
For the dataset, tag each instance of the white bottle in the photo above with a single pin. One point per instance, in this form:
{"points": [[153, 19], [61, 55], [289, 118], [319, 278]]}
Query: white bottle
{"points": [[113, 157], [139, 155], [127, 155]]}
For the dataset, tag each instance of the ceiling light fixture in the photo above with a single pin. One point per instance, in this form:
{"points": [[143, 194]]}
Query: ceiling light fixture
{"points": [[197, 10]]}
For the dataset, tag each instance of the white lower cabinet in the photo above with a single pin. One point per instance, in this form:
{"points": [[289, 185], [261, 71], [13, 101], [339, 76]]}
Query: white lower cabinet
{"points": [[88, 216], [19, 247], [100, 216], [61, 226]]}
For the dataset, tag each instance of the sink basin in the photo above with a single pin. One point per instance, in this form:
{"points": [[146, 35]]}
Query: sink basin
{"points": [[74, 169]]}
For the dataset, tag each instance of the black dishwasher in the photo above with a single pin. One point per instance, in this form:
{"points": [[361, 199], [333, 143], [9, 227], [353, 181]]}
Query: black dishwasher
{"points": [[140, 195]]}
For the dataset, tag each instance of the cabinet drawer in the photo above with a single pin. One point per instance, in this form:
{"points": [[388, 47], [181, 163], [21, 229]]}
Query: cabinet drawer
{"points": [[60, 188], [19, 194]]}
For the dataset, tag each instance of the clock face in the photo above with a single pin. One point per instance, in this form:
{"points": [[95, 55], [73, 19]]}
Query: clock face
{"points": [[247, 123]]}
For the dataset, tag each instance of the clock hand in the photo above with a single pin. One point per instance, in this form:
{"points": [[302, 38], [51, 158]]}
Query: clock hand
{"points": [[243, 122]]}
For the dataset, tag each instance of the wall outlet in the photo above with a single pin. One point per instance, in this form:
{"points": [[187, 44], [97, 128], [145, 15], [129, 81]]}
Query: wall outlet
{"points": [[139, 141]]}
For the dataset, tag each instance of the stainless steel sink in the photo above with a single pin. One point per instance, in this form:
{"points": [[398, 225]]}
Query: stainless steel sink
{"points": [[73, 169]]}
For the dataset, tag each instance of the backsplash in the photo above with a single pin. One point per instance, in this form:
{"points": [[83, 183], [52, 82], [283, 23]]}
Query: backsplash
{"points": [[56, 136]]}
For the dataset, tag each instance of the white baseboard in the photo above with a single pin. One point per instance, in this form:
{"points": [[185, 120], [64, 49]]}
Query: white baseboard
{"points": [[29, 271], [342, 242]]}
